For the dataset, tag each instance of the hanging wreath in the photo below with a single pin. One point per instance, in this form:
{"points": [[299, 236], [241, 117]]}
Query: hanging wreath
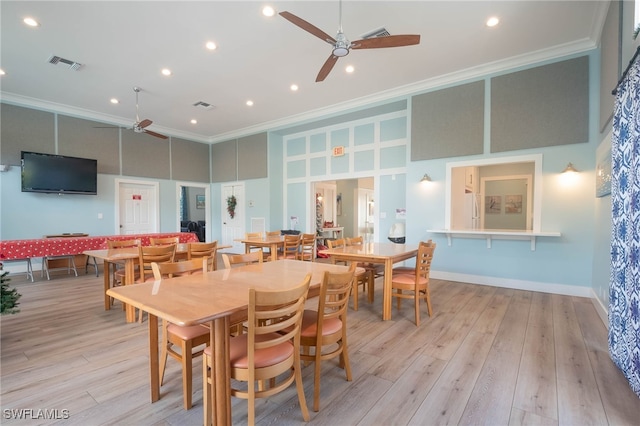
{"points": [[231, 205]]}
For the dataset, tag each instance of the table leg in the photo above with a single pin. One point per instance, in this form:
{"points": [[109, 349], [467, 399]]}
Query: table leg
{"points": [[221, 382], [128, 280], [154, 365], [386, 291], [107, 285], [274, 252]]}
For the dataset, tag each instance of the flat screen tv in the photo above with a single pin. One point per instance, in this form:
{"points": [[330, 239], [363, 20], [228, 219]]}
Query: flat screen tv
{"points": [[58, 174]]}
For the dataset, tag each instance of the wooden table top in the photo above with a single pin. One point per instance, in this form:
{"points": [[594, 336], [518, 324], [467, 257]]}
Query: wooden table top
{"points": [[377, 251], [264, 240], [196, 299]]}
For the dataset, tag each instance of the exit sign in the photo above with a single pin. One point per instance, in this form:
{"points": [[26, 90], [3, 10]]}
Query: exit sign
{"points": [[338, 151]]}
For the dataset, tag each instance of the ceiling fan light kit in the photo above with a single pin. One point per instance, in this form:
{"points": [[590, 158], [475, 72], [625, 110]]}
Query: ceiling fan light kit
{"points": [[342, 46]]}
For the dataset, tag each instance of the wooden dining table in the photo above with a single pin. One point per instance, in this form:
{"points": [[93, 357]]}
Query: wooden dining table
{"points": [[381, 253], [128, 257], [272, 242], [211, 299]]}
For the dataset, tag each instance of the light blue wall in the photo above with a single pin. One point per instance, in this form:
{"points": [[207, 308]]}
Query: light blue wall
{"points": [[27, 215], [576, 259]]}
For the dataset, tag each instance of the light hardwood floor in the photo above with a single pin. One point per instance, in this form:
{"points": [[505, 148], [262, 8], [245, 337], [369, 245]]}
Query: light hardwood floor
{"points": [[488, 356]]}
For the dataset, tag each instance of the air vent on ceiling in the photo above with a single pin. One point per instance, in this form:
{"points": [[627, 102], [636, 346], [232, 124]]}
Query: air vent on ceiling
{"points": [[73, 65], [380, 32], [203, 105]]}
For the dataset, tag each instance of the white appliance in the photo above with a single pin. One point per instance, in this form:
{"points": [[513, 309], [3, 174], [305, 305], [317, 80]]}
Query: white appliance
{"points": [[471, 211]]}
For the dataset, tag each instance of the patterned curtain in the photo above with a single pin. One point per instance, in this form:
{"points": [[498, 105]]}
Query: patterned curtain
{"points": [[624, 292]]}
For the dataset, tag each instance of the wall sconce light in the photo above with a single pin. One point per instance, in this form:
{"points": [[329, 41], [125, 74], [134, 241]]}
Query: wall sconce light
{"points": [[425, 178], [570, 169]]}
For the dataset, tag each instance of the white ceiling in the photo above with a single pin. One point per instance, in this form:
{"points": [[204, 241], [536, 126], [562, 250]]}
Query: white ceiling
{"points": [[125, 44]]}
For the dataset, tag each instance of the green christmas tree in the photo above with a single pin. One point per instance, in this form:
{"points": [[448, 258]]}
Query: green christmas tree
{"points": [[10, 296]]}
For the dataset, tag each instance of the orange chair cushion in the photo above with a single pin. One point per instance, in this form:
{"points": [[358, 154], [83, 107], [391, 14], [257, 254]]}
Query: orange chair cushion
{"points": [[263, 357], [407, 281], [187, 332], [309, 324]]}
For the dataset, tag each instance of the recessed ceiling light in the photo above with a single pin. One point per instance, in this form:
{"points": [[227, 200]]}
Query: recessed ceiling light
{"points": [[268, 11], [194, 121], [2, 72], [211, 45], [294, 87], [349, 69], [166, 71], [493, 21], [114, 101], [249, 103], [30, 22]]}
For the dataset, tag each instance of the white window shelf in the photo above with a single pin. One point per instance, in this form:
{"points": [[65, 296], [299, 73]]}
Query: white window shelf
{"points": [[497, 234]]}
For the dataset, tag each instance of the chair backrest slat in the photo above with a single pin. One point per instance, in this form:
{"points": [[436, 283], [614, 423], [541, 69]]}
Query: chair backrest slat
{"points": [[241, 259], [174, 269]]}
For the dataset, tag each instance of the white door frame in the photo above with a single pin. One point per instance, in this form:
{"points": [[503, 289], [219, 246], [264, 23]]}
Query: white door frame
{"points": [[207, 204], [155, 186]]}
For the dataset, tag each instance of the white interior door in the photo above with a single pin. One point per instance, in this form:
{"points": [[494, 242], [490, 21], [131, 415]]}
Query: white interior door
{"points": [[137, 209], [233, 228]]}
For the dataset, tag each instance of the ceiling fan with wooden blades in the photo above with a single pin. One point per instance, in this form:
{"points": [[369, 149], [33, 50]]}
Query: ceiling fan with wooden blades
{"points": [[140, 125], [342, 46]]}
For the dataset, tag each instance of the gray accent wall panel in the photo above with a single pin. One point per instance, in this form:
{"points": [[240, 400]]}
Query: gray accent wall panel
{"points": [[25, 129], [540, 107], [448, 122], [189, 161], [224, 161], [145, 156], [609, 62], [80, 138], [252, 157]]}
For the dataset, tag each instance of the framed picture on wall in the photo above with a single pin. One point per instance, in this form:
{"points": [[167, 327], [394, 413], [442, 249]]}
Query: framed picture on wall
{"points": [[493, 204], [199, 201], [512, 204]]}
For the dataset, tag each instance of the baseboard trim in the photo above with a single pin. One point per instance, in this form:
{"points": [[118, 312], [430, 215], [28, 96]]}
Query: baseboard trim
{"points": [[602, 310], [567, 290]]}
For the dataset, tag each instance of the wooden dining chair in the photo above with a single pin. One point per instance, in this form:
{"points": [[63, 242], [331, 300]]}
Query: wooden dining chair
{"points": [[290, 248], [374, 270], [267, 250], [230, 260], [325, 329], [160, 241], [418, 282], [257, 236], [196, 250], [308, 247], [267, 357], [362, 275], [117, 275], [150, 254], [187, 338], [408, 269]]}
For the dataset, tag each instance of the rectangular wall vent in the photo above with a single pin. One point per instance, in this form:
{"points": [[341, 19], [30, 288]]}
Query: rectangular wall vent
{"points": [[203, 105], [380, 32], [55, 60]]}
